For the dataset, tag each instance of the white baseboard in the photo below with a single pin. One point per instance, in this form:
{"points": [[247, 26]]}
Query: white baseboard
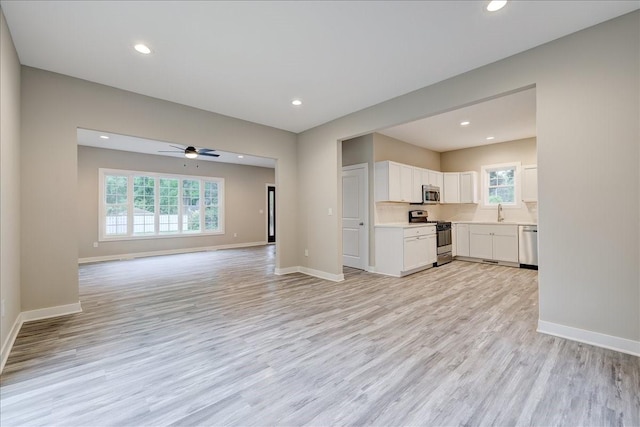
{"points": [[29, 316], [7, 345], [310, 272], [46, 313], [119, 257], [322, 274], [610, 342], [287, 270]]}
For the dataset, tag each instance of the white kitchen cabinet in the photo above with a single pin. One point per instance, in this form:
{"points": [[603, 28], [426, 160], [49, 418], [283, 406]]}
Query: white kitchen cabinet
{"points": [[461, 242], [530, 183], [393, 182], [469, 187], [435, 178], [494, 242], [420, 178], [432, 249], [450, 193], [460, 187], [404, 250]]}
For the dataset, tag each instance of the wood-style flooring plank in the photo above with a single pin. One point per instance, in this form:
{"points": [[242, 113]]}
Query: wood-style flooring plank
{"points": [[215, 338]]}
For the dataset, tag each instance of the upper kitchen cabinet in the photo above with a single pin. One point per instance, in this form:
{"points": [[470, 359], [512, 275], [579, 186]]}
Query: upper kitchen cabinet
{"points": [[393, 182], [450, 193], [530, 183], [469, 187], [460, 187], [435, 178]]}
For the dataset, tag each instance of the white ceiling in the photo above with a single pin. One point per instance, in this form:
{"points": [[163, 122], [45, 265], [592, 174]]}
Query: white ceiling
{"points": [[506, 118], [91, 138], [250, 59]]}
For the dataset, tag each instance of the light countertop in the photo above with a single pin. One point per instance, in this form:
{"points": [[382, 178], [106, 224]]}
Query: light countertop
{"points": [[495, 222], [403, 225]]}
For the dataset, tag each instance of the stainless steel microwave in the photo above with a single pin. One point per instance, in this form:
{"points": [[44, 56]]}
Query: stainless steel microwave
{"points": [[430, 194]]}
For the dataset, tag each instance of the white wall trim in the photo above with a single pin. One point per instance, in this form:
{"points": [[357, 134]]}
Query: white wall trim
{"points": [[7, 345], [310, 272], [32, 315], [610, 342], [286, 270], [118, 257], [46, 313]]}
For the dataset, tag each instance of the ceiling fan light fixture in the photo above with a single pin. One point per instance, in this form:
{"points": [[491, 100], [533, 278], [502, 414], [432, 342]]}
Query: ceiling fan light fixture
{"points": [[191, 155], [496, 5], [142, 48]]}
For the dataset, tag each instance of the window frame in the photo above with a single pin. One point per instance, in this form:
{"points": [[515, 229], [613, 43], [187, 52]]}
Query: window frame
{"points": [[484, 172], [157, 176]]}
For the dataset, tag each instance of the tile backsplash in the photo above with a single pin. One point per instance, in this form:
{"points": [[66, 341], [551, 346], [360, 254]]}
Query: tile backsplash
{"points": [[387, 212]]}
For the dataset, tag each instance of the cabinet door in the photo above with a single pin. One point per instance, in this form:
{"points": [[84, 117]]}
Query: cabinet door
{"points": [[416, 185], [406, 181], [468, 187], [415, 252], [432, 249], [462, 239], [480, 245], [505, 248], [395, 182], [451, 191], [530, 183]]}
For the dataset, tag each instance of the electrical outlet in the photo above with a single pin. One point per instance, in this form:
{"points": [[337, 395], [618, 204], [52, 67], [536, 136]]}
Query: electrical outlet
{"points": [[306, 252], [235, 234], [330, 212], [261, 211], [95, 244]]}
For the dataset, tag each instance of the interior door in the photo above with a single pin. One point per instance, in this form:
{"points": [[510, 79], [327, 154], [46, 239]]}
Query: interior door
{"points": [[355, 231]]}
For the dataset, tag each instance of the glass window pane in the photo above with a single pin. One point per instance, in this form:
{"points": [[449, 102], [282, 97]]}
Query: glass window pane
{"points": [[190, 205], [116, 206]]}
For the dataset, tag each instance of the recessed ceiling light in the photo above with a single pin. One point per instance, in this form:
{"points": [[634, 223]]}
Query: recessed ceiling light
{"points": [[142, 48], [496, 5], [465, 123], [104, 137], [489, 138], [241, 157], [296, 102]]}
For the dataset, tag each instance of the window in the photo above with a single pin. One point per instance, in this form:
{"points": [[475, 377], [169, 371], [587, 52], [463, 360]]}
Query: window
{"points": [[149, 205], [500, 184]]}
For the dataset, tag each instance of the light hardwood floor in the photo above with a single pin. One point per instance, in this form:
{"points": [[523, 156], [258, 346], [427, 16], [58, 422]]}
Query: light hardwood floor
{"points": [[214, 338]]}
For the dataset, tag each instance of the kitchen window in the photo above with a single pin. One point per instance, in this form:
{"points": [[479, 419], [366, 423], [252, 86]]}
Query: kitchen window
{"points": [[500, 185], [147, 205]]}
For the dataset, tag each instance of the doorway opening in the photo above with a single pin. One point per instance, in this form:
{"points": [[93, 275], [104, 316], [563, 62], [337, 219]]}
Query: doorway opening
{"points": [[271, 213]]}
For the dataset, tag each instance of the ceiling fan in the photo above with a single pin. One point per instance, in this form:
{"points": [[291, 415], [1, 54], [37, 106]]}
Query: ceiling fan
{"points": [[191, 152]]}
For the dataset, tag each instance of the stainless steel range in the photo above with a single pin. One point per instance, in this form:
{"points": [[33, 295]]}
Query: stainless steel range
{"points": [[443, 229], [445, 245]]}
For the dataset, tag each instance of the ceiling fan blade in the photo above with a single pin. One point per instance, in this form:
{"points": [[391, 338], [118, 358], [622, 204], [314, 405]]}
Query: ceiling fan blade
{"points": [[171, 151], [205, 150], [209, 154], [179, 148]]}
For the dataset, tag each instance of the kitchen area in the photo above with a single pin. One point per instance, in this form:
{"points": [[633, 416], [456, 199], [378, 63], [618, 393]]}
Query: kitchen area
{"points": [[460, 199]]}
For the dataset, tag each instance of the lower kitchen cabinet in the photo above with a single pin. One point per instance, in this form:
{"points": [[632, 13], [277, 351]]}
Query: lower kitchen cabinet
{"points": [[461, 242], [405, 250], [494, 242]]}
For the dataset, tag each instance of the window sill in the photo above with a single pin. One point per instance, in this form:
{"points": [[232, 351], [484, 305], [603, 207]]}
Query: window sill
{"points": [[161, 236]]}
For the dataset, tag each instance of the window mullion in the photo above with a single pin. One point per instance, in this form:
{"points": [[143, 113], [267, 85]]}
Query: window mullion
{"points": [[156, 205], [201, 204], [180, 207], [130, 215]]}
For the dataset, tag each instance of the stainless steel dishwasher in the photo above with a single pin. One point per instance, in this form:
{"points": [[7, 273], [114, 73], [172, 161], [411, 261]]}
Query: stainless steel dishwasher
{"points": [[528, 246]]}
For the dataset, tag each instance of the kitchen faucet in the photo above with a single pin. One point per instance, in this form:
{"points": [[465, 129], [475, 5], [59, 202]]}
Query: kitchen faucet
{"points": [[500, 217]]}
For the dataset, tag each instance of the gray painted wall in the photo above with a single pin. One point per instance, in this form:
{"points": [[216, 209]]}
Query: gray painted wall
{"points": [[587, 123], [245, 196], [54, 106], [9, 181]]}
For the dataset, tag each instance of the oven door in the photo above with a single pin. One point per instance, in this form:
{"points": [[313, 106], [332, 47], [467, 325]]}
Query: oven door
{"points": [[444, 240]]}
